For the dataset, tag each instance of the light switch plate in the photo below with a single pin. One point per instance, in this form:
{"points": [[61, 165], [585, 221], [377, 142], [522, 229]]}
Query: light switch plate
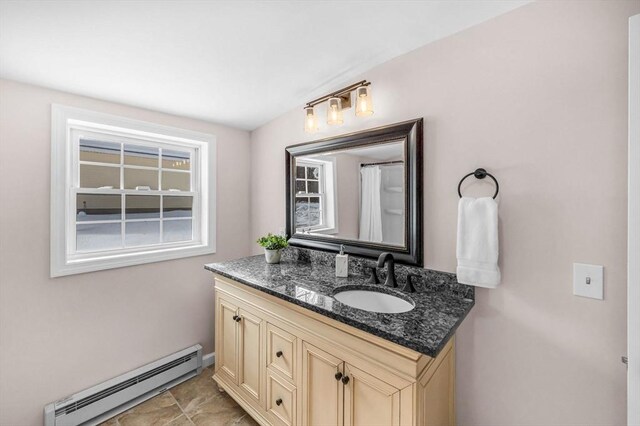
{"points": [[588, 280]]}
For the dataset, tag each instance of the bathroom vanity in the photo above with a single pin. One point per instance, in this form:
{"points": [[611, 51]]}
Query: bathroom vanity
{"points": [[291, 354], [295, 345]]}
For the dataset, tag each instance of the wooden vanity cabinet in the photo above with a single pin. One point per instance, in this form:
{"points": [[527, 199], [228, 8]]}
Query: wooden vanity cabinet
{"points": [[322, 388], [286, 365], [337, 393], [240, 358], [369, 401]]}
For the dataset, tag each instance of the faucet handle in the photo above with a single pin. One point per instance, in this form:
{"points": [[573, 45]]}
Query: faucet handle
{"points": [[373, 279], [409, 288]]}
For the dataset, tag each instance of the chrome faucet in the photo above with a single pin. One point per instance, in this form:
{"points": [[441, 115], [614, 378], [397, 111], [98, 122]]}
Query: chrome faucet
{"points": [[386, 259]]}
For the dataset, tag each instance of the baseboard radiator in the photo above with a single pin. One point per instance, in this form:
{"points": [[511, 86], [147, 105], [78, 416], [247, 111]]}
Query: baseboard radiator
{"points": [[94, 405]]}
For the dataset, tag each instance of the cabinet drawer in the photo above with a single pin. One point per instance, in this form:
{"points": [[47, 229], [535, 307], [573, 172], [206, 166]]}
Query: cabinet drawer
{"points": [[281, 400], [281, 351]]}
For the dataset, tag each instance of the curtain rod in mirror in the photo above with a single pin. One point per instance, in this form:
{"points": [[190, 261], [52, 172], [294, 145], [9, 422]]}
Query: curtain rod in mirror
{"points": [[382, 163]]}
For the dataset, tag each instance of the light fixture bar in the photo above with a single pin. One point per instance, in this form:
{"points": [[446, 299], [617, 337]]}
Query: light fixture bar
{"points": [[337, 102], [338, 93]]}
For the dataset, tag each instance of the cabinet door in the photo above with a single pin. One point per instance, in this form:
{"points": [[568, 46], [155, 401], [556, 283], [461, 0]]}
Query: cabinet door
{"points": [[227, 339], [322, 391], [369, 401], [251, 371]]}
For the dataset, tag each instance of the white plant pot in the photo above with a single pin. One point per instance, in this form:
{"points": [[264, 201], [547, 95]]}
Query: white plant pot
{"points": [[272, 256]]}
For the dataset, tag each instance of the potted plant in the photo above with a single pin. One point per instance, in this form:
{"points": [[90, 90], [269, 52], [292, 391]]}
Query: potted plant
{"points": [[272, 245]]}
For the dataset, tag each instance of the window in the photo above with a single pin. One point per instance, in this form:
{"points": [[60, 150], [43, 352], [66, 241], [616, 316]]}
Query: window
{"points": [[315, 196], [310, 200], [126, 192]]}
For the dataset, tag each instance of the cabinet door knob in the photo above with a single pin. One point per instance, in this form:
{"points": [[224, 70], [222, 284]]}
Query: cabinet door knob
{"points": [[235, 318], [238, 319], [279, 354], [279, 401], [338, 375], [345, 380]]}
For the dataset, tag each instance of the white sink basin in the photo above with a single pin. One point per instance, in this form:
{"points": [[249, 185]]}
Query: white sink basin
{"points": [[373, 301]]}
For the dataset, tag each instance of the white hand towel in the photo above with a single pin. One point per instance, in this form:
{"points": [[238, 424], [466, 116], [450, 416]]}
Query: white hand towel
{"points": [[477, 248]]}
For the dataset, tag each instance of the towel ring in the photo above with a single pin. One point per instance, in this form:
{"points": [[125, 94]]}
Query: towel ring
{"points": [[479, 174]]}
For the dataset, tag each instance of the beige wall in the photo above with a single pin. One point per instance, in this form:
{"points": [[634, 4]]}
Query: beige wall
{"points": [[539, 97], [348, 187], [61, 335]]}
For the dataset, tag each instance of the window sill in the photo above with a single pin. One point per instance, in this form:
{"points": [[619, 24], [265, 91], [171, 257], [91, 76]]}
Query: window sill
{"points": [[328, 231], [122, 260]]}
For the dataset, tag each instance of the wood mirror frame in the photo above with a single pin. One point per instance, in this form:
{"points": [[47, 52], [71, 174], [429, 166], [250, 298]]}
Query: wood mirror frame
{"points": [[411, 132]]}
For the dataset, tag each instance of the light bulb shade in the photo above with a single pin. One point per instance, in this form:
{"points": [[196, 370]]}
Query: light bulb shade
{"points": [[310, 120], [364, 103], [334, 111]]}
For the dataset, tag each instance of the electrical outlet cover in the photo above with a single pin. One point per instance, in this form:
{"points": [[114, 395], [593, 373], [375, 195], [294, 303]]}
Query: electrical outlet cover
{"points": [[588, 280]]}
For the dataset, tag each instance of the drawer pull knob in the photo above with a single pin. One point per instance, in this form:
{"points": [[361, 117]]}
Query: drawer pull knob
{"points": [[338, 375], [279, 354], [345, 380], [279, 401]]}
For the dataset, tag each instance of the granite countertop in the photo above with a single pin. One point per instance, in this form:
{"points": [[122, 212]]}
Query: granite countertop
{"points": [[441, 304]]}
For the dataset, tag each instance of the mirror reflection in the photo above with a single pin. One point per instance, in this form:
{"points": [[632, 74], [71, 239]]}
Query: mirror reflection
{"points": [[354, 194]]}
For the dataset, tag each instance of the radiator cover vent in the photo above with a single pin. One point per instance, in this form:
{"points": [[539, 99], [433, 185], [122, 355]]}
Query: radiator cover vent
{"points": [[117, 388], [116, 395]]}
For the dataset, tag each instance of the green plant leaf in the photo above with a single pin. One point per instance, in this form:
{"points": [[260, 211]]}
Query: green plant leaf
{"points": [[273, 242]]}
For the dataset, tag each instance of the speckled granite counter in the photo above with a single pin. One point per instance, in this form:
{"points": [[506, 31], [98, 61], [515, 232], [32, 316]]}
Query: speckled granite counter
{"points": [[308, 280]]}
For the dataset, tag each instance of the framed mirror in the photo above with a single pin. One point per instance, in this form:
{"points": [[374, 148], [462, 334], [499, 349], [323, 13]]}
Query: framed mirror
{"points": [[362, 190]]}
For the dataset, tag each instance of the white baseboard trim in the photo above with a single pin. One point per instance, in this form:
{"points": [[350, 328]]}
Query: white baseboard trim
{"points": [[208, 360]]}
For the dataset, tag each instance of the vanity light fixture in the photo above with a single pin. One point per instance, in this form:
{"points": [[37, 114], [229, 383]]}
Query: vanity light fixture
{"points": [[364, 103], [334, 111], [310, 120], [337, 102]]}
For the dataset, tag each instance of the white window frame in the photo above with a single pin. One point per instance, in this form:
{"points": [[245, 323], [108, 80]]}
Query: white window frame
{"points": [[65, 125], [328, 195]]}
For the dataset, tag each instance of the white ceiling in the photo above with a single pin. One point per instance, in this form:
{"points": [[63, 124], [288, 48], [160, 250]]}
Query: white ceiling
{"points": [[240, 63]]}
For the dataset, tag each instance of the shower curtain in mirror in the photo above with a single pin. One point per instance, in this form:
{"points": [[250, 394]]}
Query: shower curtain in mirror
{"points": [[370, 207]]}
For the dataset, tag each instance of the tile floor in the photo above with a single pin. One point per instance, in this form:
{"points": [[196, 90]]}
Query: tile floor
{"points": [[194, 402]]}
